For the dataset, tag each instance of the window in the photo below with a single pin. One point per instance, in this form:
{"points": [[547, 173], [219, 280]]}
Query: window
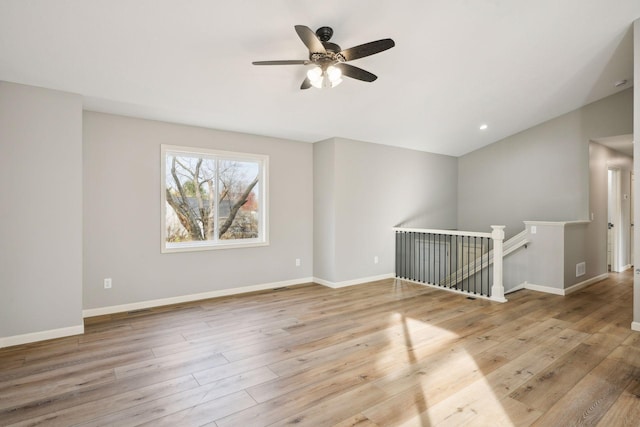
{"points": [[212, 199]]}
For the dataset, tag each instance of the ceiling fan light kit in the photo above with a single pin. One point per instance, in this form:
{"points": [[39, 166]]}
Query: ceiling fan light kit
{"points": [[329, 60], [329, 77]]}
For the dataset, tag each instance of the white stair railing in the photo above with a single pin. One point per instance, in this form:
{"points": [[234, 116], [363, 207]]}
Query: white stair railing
{"points": [[455, 260]]}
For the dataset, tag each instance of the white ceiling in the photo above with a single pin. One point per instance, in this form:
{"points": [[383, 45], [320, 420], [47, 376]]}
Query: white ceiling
{"points": [[457, 63]]}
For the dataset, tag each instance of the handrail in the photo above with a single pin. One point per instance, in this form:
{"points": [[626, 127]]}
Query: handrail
{"points": [[447, 232], [516, 242]]}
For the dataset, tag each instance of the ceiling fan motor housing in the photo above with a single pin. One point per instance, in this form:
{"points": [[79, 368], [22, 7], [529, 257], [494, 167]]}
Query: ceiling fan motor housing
{"points": [[324, 33]]}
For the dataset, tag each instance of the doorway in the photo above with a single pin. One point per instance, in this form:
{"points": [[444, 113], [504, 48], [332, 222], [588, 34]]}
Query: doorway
{"points": [[614, 221]]}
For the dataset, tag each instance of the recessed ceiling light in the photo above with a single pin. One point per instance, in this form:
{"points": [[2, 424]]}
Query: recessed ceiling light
{"points": [[620, 83], [483, 126]]}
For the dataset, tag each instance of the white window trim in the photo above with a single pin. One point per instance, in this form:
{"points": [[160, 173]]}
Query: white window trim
{"points": [[263, 190]]}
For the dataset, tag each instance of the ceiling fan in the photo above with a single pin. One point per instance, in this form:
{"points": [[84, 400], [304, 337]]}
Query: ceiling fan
{"points": [[329, 61]]}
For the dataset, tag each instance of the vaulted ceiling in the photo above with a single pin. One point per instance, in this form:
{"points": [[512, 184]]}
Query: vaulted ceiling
{"points": [[457, 64]]}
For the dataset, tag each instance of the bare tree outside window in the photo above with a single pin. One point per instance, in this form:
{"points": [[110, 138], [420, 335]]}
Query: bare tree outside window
{"points": [[190, 192], [211, 198], [238, 193]]}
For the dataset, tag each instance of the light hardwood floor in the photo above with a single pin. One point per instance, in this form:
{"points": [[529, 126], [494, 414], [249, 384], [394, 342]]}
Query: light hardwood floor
{"points": [[381, 354]]}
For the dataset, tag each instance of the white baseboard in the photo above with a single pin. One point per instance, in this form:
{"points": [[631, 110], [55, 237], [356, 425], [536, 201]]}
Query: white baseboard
{"points": [[336, 285], [188, 298], [567, 291], [635, 326], [545, 289], [41, 336], [586, 283]]}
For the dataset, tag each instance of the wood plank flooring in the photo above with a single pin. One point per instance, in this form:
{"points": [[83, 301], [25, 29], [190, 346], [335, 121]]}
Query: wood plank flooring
{"points": [[385, 353]]}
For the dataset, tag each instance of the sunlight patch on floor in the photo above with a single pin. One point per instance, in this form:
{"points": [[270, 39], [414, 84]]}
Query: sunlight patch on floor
{"points": [[432, 376], [474, 405]]}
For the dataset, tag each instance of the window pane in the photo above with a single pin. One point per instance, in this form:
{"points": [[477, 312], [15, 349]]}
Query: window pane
{"points": [[190, 198], [238, 213]]}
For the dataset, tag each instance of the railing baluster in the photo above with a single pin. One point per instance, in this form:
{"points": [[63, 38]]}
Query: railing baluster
{"points": [[475, 264], [402, 255], [412, 248], [438, 249], [405, 254], [398, 254], [423, 256], [433, 260], [448, 252], [456, 262], [407, 251], [488, 263], [473, 270], [469, 264], [482, 266], [489, 243], [419, 258]]}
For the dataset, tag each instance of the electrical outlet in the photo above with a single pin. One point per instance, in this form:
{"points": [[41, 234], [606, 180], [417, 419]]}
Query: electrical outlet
{"points": [[534, 229], [375, 259], [297, 262], [107, 283]]}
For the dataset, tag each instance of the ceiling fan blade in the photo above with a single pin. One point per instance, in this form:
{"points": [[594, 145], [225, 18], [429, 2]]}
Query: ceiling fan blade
{"points": [[355, 72], [283, 62], [367, 49], [310, 39], [306, 83]]}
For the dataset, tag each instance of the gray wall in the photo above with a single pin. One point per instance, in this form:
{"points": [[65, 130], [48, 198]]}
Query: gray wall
{"points": [[578, 248], [545, 256], [549, 261], [122, 214], [324, 210], [539, 174], [41, 210], [601, 159], [373, 188]]}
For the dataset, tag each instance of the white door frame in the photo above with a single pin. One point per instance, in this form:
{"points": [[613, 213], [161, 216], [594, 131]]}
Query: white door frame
{"points": [[632, 186]]}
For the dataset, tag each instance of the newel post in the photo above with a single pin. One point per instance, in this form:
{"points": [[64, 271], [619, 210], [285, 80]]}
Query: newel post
{"points": [[497, 290]]}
